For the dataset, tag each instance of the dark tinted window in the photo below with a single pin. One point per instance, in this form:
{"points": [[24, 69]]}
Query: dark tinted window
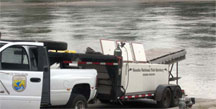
{"points": [[33, 58], [14, 58], [1, 44]]}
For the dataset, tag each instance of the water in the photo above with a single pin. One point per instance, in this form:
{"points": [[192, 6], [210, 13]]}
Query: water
{"points": [[189, 25]]}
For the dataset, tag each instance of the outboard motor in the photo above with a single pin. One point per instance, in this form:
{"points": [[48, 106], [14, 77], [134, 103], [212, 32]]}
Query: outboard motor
{"points": [[186, 102]]}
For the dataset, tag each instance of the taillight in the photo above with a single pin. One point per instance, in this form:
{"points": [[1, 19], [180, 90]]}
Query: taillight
{"points": [[183, 92]]}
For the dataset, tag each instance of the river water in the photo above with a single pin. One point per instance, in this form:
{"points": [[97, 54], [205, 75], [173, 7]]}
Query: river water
{"points": [[189, 25]]}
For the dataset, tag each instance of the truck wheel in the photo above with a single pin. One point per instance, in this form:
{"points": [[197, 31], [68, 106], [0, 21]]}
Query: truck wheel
{"points": [[165, 99], [175, 97], [77, 101], [55, 45]]}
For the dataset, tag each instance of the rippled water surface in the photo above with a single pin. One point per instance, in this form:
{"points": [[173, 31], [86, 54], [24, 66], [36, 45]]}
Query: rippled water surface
{"points": [[189, 25]]}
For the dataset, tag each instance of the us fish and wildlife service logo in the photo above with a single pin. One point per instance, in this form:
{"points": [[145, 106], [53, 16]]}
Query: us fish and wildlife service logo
{"points": [[19, 83]]}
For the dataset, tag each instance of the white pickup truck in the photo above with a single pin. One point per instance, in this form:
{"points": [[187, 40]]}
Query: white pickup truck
{"points": [[28, 82]]}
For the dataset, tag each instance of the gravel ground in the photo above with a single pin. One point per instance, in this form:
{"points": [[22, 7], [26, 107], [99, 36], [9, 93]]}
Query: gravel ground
{"points": [[205, 104], [148, 104]]}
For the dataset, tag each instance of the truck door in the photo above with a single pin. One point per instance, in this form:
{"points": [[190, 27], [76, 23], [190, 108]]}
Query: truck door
{"points": [[20, 86]]}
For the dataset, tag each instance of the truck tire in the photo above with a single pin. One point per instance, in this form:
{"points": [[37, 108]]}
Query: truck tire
{"points": [[166, 99], [77, 101], [175, 97], [55, 45]]}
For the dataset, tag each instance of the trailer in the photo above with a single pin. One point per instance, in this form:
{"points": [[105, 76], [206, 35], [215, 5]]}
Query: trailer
{"points": [[127, 72]]}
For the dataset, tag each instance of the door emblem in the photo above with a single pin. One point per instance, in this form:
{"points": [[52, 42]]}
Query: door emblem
{"points": [[19, 83]]}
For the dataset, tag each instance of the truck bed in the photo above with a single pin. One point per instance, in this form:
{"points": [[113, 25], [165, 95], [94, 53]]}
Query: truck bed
{"points": [[165, 55]]}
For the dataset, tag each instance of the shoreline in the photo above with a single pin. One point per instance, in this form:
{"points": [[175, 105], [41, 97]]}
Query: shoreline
{"points": [[202, 103], [94, 2]]}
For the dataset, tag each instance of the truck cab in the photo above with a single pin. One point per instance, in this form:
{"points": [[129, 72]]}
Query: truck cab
{"points": [[22, 73], [26, 80]]}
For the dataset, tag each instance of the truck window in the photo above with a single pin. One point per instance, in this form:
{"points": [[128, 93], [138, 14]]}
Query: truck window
{"points": [[1, 44], [14, 58], [33, 58]]}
